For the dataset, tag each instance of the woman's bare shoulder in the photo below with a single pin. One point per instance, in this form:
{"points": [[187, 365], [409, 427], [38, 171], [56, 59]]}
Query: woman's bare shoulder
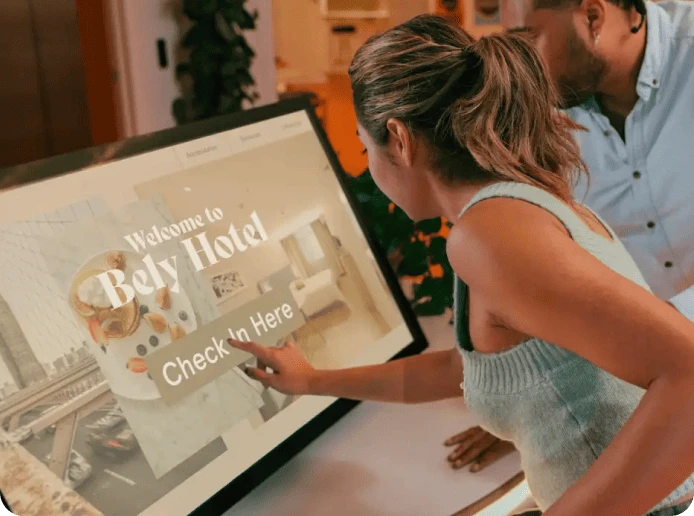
{"points": [[499, 228]]}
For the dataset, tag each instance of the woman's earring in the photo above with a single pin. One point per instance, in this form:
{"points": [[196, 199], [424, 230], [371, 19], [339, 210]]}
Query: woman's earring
{"points": [[596, 38]]}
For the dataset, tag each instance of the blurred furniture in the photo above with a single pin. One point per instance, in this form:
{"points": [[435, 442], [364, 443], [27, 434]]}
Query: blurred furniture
{"points": [[452, 9], [317, 292], [355, 9], [347, 35], [279, 279], [482, 17], [343, 34]]}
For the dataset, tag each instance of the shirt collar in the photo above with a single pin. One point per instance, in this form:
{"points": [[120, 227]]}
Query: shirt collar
{"points": [[658, 38]]}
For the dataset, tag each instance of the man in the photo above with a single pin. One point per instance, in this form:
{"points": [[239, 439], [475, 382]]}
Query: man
{"points": [[625, 71]]}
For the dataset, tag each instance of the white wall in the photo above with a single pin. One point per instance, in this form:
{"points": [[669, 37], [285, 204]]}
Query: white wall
{"points": [[147, 89], [262, 40]]}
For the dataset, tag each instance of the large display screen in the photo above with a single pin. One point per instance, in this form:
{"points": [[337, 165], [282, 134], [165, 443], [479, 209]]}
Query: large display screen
{"points": [[126, 268]]}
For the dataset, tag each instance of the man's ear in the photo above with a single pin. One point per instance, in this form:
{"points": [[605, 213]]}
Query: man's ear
{"points": [[400, 142], [594, 11]]}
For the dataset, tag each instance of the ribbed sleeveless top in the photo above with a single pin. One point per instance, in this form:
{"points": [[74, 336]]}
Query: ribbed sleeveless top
{"points": [[559, 410]]}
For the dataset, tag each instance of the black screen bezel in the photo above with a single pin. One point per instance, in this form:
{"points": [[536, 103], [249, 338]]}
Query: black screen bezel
{"points": [[50, 168]]}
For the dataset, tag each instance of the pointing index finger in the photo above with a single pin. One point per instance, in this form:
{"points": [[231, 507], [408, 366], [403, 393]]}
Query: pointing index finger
{"points": [[260, 352]]}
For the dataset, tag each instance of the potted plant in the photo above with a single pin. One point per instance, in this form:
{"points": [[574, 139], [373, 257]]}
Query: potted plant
{"points": [[215, 77], [416, 251]]}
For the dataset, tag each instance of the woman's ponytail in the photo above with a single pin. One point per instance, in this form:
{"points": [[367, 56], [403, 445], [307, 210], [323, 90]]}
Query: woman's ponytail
{"points": [[510, 124]]}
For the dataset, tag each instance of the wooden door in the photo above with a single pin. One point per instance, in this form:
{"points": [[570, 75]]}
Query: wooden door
{"points": [[101, 79], [23, 135], [44, 99], [61, 74]]}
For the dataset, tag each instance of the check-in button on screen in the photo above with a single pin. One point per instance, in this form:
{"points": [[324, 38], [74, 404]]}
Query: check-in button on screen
{"points": [[193, 361]]}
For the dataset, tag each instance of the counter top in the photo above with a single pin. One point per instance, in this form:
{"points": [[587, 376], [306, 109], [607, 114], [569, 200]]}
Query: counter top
{"points": [[388, 459]]}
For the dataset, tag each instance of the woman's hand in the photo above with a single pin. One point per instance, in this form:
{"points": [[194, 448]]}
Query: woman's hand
{"points": [[291, 373], [478, 448], [407, 380]]}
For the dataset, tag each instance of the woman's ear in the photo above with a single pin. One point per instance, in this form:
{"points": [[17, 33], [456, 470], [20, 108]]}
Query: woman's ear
{"points": [[594, 11], [400, 142]]}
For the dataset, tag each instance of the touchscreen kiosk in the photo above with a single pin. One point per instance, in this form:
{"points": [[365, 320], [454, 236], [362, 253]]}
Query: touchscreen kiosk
{"points": [[124, 269]]}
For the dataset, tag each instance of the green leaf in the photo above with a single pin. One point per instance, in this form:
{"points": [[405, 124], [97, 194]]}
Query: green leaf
{"points": [[197, 9], [429, 287], [362, 183], [429, 308], [224, 28], [245, 78], [182, 69], [226, 104], [247, 21], [202, 64], [236, 14], [195, 36], [430, 226], [180, 111], [437, 250], [219, 59], [404, 229], [448, 275], [414, 261], [363, 198], [231, 67]]}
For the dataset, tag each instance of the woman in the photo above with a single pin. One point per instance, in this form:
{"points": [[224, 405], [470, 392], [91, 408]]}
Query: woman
{"points": [[565, 352]]}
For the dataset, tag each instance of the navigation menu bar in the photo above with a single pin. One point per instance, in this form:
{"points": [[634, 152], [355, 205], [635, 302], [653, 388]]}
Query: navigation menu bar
{"points": [[234, 141]]}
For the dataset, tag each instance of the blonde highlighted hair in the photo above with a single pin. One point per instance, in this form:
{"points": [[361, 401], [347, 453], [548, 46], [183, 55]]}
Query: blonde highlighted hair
{"points": [[487, 108]]}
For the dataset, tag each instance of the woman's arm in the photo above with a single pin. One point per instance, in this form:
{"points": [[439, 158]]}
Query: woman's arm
{"points": [[541, 283], [421, 378]]}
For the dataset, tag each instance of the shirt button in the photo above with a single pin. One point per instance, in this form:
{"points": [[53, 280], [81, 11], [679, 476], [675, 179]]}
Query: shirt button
{"points": [[637, 174], [668, 264], [650, 224], [655, 81], [607, 133]]}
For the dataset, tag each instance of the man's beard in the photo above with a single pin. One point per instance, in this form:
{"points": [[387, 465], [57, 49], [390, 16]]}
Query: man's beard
{"points": [[584, 71]]}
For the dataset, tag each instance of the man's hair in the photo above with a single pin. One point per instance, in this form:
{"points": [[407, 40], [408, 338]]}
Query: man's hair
{"points": [[627, 5]]}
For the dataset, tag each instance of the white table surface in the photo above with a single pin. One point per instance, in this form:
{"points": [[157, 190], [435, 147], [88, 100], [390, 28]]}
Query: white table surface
{"points": [[381, 460]]}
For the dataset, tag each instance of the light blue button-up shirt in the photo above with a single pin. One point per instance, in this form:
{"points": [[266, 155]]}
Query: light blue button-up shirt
{"points": [[644, 188]]}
